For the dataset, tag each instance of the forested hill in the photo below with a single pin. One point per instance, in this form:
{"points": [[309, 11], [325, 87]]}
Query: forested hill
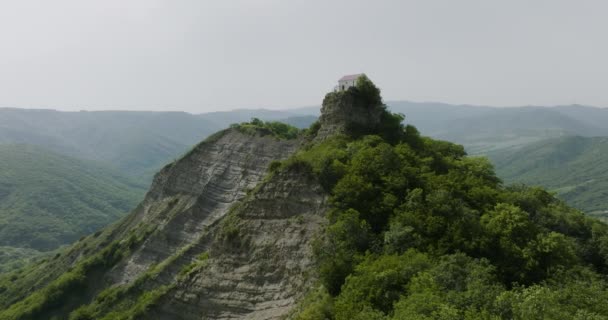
{"points": [[484, 129], [138, 143], [575, 167], [48, 199], [358, 217]]}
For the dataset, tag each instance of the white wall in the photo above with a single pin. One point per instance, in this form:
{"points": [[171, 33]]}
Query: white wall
{"points": [[346, 83]]}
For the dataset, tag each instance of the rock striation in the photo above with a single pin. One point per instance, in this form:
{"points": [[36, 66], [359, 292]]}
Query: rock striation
{"points": [[190, 195], [258, 244], [260, 272]]}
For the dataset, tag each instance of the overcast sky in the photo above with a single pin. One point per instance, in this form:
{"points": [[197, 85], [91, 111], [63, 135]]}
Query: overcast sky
{"points": [[201, 55]]}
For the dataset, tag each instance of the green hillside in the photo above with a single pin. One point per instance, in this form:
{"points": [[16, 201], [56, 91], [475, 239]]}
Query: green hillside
{"points": [[574, 167], [48, 200], [137, 143]]}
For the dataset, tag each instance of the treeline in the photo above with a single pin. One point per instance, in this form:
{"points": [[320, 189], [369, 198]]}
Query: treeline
{"points": [[276, 129]]}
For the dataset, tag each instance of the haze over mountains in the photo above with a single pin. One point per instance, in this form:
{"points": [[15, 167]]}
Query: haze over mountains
{"points": [[137, 143], [113, 136], [48, 199], [574, 167], [481, 129]]}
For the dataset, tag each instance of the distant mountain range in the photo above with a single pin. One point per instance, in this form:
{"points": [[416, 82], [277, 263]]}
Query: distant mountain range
{"points": [[135, 142], [483, 129], [139, 143], [575, 167]]}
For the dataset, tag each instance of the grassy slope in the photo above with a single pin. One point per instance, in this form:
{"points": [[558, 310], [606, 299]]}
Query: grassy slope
{"points": [[574, 167], [47, 200]]}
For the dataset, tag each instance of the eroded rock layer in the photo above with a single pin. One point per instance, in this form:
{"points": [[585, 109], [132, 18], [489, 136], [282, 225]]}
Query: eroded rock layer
{"points": [[194, 192], [258, 259]]}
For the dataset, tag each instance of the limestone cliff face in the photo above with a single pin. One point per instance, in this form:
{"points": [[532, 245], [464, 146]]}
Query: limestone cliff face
{"points": [[260, 271], [258, 246], [193, 193]]}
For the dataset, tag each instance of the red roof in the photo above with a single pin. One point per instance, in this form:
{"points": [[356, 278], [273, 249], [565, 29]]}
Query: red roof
{"points": [[351, 77]]}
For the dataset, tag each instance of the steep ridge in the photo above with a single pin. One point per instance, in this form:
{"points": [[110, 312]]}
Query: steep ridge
{"points": [[186, 197], [218, 235]]}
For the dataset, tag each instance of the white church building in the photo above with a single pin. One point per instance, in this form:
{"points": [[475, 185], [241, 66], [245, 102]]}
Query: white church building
{"points": [[348, 81]]}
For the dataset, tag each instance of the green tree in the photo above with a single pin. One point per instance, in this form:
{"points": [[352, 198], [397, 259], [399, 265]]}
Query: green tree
{"points": [[368, 91]]}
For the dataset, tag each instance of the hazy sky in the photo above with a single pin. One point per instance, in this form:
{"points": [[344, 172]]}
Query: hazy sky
{"points": [[203, 55]]}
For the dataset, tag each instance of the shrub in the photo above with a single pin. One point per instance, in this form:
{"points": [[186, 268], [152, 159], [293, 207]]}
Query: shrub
{"points": [[276, 129], [368, 91]]}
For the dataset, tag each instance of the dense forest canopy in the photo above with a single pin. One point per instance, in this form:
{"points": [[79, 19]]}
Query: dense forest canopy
{"points": [[48, 200], [418, 230]]}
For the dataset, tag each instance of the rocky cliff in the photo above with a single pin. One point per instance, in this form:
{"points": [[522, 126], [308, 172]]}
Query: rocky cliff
{"points": [[257, 259], [218, 236], [345, 111], [190, 195]]}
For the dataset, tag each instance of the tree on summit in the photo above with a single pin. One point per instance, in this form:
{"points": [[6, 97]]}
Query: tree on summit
{"points": [[368, 90]]}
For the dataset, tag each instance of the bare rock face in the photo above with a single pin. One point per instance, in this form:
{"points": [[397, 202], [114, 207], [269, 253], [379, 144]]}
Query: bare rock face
{"points": [[193, 193], [261, 271], [258, 246], [345, 111]]}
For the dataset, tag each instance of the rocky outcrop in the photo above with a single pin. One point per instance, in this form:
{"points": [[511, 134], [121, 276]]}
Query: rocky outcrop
{"points": [[345, 111], [194, 192]]}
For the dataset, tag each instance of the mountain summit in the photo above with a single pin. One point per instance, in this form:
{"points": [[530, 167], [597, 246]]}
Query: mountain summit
{"points": [[346, 111], [357, 217]]}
